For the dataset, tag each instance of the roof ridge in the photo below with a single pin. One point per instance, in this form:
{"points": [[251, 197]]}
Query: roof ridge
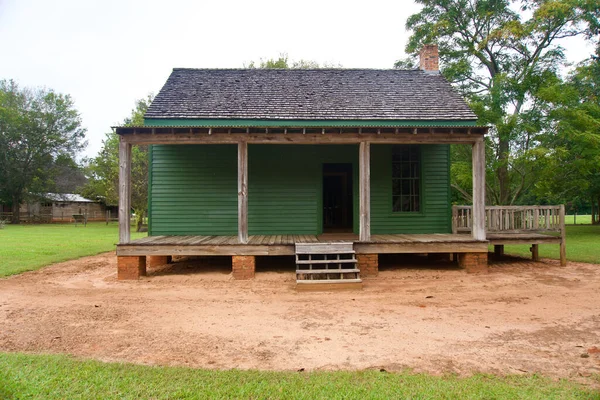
{"points": [[297, 69]]}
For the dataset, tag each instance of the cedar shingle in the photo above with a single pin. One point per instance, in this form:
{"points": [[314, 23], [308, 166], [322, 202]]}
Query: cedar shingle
{"points": [[317, 94]]}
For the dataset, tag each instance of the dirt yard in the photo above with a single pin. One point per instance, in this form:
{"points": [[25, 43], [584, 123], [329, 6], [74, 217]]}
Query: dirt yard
{"points": [[522, 317]]}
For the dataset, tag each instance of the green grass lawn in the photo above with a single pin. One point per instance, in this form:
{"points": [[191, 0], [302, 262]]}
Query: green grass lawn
{"points": [[583, 244], [61, 377], [580, 219], [30, 247]]}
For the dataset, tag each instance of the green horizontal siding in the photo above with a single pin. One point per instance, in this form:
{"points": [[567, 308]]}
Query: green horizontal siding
{"points": [[285, 186], [193, 189], [435, 213]]}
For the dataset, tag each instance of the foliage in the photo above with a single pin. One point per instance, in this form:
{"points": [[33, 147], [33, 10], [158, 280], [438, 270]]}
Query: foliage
{"points": [[283, 62], [572, 162], [103, 170], [40, 132], [30, 247], [61, 377], [503, 55]]}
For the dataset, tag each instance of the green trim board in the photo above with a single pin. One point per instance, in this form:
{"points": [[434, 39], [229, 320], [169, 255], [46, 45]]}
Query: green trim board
{"points": [[334, 123]]}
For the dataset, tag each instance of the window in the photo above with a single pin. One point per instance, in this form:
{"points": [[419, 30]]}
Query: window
{"points": [[406, 178]]}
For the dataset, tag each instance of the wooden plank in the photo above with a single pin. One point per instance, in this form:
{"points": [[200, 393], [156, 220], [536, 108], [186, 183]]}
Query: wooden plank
{"points": [[308, 138], [563, 236], [405, 248], [124, 190], [364, 191], [204, 250], [340, 261], [242, 192], [478, 230], [328, 271], [321, 248]]}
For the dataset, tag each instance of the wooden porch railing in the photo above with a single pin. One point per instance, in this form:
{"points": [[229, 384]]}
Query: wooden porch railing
{"points": [[510, 224], [512, 219]]}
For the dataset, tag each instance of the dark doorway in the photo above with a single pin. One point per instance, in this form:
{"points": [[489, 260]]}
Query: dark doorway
{"points": [[337, 198]]}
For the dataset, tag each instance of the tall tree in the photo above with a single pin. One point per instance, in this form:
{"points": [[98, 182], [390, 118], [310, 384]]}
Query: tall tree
{"points": [[572, 162], [501, 54], [103, 170], [38, 129]]}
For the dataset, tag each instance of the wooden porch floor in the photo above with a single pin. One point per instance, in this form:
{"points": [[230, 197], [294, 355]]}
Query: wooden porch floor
{"points": [[284, 244]]}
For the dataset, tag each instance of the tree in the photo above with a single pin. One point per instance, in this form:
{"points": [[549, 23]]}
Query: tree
{"points": [[103, 170], [572, 162], [39, 129], [502, 54], [284, 62]]}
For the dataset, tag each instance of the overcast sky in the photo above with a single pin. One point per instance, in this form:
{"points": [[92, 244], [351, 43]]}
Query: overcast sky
{"points": [[108, 53]]}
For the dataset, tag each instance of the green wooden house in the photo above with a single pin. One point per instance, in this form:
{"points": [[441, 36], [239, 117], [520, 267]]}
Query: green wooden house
{"points": [[247, 162]]}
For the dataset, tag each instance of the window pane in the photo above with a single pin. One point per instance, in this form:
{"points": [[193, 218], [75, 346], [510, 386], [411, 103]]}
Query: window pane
{"points": [[405, 178]]}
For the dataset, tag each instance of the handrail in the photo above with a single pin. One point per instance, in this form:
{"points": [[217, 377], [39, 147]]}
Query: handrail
{"points": [[512, 219]]}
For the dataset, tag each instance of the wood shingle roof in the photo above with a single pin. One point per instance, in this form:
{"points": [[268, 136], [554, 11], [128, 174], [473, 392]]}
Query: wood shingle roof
{"points": [[305, 94]]}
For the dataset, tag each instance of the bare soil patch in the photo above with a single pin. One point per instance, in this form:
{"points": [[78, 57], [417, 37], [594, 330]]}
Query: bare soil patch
{"points": [[522, 317]]}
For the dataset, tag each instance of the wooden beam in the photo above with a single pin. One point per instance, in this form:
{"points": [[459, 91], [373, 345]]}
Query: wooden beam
{"points": [[300, 138], [243, 192], [563, 236], [478, 230], [124, 190], [365, 191]]}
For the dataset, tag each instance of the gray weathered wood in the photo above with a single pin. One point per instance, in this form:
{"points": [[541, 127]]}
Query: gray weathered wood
{"points": [[124, 190], [478, 231], [322, 248], [243, 192], [341, 261], [308, 138], [563, 236], [365, 191]]}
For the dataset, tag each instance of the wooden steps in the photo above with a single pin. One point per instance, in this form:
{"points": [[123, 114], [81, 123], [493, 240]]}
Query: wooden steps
{"points": [[326, 266]]}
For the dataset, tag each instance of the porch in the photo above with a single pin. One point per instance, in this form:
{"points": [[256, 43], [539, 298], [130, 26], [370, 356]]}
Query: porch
{"points": [[284, 245]]}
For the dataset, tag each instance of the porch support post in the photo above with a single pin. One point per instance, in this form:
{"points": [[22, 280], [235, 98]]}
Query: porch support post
{"points": [[243, 192], [124, 190], [364, 161], [479, 190]]}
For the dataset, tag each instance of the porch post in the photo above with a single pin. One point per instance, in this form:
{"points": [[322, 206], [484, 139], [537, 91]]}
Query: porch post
{"points": [[243, 192], [478, 229], [364, 160], [124, 190]]}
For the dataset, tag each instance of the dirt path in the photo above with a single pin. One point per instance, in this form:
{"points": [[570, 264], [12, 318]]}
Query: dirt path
{"points": [[520, 318]]}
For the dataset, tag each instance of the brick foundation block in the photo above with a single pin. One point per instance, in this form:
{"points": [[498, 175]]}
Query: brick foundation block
{"points": [[155, 261], [130, 267], [368, 264], [473, 262], [243, 267]]}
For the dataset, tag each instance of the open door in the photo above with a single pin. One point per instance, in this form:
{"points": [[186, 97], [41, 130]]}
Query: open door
{"points": [[337, 198]]}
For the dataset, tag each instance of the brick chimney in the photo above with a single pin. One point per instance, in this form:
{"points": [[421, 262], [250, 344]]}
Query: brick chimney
{"points": [[429, 58]]}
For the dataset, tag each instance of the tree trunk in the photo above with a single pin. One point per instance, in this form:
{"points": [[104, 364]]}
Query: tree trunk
{"points": [[502, 172], [593, 212], [16, 211]]}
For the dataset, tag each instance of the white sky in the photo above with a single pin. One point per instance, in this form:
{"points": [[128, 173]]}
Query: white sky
{"points": [[108, 53]]}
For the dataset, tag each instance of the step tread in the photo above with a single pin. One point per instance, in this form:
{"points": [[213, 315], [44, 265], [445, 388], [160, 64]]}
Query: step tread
{"points": [[327, 271], [334, 281], [341, 261]]}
